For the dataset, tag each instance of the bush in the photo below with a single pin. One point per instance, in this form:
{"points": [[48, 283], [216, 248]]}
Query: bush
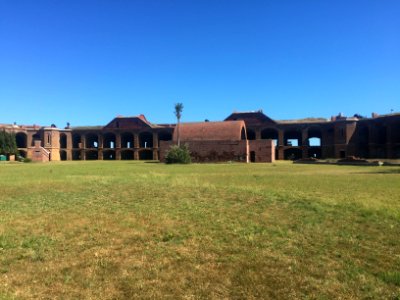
{"points": [[178, 155], [27, 160]]}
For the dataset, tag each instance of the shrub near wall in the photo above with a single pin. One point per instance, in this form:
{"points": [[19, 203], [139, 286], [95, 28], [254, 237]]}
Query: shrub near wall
{"points": [[178, 155]]}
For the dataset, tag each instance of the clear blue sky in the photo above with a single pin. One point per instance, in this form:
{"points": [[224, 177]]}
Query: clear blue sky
{"points": [[87, 61]]}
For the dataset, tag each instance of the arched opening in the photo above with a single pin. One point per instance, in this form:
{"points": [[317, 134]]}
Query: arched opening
{"points": [[109, 140], [109, 155], [146, 155], [35, 137], [22, 153], [127, 155], [270, 134], [292, 154], [92, 155], [363, 142], [314, 142], [63, 140], [252, 156], [76, 155], [92, 140], [146, 140], [292, 138], [127, 140], [395, 133], [76, 141], [396, 152], [315, 152], [314, 137], [63, 155], [165, 136], [381, 135], [21, 139], [251, 134]]}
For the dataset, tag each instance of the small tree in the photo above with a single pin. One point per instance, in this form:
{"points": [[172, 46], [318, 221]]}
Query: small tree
{"points": [[178, 155], [178, 114], [8, 143]]}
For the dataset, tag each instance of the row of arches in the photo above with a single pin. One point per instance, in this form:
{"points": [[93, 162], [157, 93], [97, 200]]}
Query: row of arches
{"points": [[144, 154], [291, 137], [92, 140]]}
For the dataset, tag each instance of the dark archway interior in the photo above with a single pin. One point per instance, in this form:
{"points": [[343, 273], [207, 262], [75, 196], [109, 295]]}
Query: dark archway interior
{"points": [[109, 155], [292, 138], [252, 156], [165, 136], [76, 140], [35, 137], [315, 152], [109, 140], [92, 140], [92, 155], [363, 142], [395, 132], [127, 140], [22, 153], [146, 140], [382, 134], [63, 140], [243, 134], [146, 155], [76, 155], [21, 139], [270, 134], [63, 155], [292, 154], [127, 155], [251, 135]]}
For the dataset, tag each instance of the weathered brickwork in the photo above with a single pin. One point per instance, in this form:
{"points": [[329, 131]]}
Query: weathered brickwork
{"points": [[244, 136]]}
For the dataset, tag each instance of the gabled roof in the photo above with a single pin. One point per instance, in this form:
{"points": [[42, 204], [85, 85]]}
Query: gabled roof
{"points": [[251, 117], [210, 131], [134, 122]]}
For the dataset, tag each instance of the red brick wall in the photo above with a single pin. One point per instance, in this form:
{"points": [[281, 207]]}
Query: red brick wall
{"points": [[211, 151], [264, 150]]}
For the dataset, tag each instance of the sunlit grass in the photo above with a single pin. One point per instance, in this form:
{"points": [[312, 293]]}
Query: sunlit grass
{"points": [[114, 230]]}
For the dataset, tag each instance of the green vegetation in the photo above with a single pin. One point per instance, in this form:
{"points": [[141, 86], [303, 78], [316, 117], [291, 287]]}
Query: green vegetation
{"points": [[126, 230], [8, 143], [178, 155]]}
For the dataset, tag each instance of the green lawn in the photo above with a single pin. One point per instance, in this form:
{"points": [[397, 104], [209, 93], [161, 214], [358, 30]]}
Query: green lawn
{"points": [[124, 230]]}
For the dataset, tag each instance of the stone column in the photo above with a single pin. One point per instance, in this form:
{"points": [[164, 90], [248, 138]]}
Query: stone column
{"points": [[155, 140], [136, 154], [83, 141], [304, 143], [155, 154], [118, 140], [136, 140], [118, 154], [100, 154], [281, 144]]}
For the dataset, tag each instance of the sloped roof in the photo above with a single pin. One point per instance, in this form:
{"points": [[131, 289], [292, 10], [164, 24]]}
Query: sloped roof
{"points": [[210, 131], [133, 122], [251, 117]]}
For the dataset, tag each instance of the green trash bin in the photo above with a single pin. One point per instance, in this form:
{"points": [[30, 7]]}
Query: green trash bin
{"points": [[3, 157]]}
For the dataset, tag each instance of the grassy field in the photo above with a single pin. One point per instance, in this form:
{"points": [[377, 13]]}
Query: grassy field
{"points": [[125, 230]]}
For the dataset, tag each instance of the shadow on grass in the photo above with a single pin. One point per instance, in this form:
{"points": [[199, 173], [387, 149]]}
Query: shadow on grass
{"points": [[390, 171]]}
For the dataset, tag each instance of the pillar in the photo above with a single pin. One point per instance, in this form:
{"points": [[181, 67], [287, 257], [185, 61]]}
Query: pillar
{"points": [[155, 141]]}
